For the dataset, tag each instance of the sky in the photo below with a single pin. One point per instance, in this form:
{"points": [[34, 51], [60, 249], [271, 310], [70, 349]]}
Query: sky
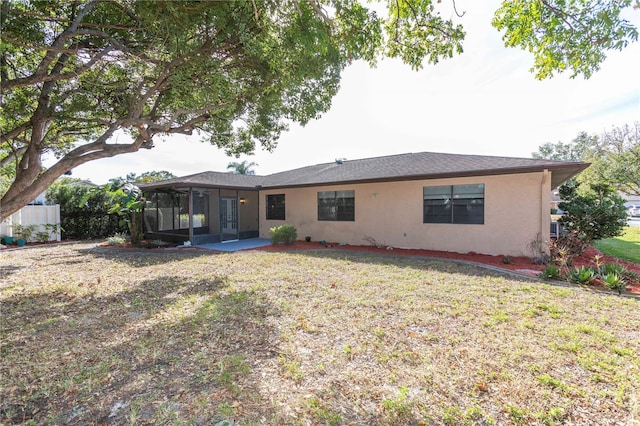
{"points": [[485, 102]]}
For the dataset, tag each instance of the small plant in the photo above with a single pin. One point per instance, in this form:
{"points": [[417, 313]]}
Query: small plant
{"points": [[538, 250], [551, 272], [612, 268], [42, 236], [373, 241], [582, 275], [614, 281], [53, 228], [506, 260], [286, 234], [118, 239], [24, 232]]}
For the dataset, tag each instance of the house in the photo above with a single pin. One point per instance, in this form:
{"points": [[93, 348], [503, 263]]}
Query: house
{"points": [[437, 201]]}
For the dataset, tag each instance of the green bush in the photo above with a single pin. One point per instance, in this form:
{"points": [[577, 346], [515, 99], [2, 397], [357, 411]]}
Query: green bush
{"points": [[551, 271], [286, 234], [118, 239], [84, 210], [614, 281], [612, 268], [596, 213], [582, 275]]}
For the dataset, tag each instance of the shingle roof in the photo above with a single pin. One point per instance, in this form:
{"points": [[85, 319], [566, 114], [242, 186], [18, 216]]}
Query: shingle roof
{"points": [[412, 166], [209, 179], [422, 165]]}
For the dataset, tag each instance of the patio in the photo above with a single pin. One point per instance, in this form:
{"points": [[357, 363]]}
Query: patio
{"points": [[238, 245]]}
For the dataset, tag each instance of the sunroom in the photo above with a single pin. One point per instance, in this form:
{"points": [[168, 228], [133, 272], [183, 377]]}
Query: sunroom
{"points": [[205, 208]]}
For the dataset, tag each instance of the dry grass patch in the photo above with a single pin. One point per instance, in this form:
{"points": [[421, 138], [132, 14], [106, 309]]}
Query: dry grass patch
{"points": [[332, 337]]}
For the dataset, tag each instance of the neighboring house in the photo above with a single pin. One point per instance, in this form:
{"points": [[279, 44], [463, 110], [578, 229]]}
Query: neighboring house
{"points": [[459, 203]]}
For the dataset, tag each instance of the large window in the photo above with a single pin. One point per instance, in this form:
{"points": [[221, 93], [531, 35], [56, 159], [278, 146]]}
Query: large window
{"points": [[454, 204], [336, 205], [275, 207]]}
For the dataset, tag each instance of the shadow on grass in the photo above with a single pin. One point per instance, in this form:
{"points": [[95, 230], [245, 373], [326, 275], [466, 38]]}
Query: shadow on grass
{"points": [[165, 351], [144, 257]]}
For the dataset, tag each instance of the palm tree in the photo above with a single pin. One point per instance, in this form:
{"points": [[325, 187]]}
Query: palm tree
{"points": [[242, 168]]}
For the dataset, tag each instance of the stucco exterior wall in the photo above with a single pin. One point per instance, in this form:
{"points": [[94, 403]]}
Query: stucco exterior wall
{"points": [[516, 211]]}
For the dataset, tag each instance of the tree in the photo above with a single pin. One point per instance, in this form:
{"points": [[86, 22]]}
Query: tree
{"points": [[147, 177], [573, 151], [614, 156], [242, 168], [129, 208], [565, 35], [84, 209], [616, 159], [76, 73], [597, 214]]}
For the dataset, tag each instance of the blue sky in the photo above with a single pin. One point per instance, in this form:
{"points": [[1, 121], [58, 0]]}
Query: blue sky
{"points": [[484, 101]]}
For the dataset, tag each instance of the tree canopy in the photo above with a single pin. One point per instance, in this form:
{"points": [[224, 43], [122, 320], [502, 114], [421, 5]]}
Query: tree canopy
{"points": [[76, 74], [614, 156]]}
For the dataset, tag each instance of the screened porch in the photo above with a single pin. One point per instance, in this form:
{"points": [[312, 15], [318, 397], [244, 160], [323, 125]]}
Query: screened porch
{"points": [[201, 215]]}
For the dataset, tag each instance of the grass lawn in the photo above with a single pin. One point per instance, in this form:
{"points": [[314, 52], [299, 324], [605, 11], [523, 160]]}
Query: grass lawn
{"points": [[93, 336], [626, 246]]}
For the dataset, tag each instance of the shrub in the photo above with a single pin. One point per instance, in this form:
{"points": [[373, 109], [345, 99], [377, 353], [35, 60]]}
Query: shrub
{"points": [[612, 268], [551, 271], [582, 275], [286, 234], [42, 236], [596, 213], [117, 240], [614, 281]]}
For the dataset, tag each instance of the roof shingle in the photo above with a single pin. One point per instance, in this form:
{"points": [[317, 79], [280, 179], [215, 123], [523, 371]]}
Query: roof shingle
{"points": [[411, 166]]}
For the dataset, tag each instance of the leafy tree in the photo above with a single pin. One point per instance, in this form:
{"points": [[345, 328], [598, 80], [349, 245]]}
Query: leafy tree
{"points": [[242, 168], [84, 209], [565, 35], [76, 73], [597, 214], [616, 159], [128, 207], [575, 150], [614, 156], [147, 177]]}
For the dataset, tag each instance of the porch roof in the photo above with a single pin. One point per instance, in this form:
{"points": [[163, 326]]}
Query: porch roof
{"points": [[208, 180]]}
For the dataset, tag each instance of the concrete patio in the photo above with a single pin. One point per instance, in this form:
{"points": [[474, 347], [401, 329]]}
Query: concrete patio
{"points": [[237, 245]]}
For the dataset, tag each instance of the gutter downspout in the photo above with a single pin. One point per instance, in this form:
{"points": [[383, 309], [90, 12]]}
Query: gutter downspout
{"points": [[545, 206], [191, 215]]}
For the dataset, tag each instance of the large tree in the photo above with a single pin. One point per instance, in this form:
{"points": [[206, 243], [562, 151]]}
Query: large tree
{"points": [[77, 73], [614, 156]]}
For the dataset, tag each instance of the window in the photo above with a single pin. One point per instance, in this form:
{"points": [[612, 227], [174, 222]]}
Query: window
{"points": [[336, 205], [454, 204], [275, 207]]}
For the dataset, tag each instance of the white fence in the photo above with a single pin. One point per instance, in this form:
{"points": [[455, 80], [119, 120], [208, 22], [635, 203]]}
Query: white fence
{"points": [[34, 215]]}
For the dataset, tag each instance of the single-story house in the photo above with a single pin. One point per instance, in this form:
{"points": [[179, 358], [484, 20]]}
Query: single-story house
{"points": [[437, 201]]}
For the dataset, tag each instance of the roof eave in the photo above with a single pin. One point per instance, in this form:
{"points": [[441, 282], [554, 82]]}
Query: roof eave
{"points": [[573, 168]]}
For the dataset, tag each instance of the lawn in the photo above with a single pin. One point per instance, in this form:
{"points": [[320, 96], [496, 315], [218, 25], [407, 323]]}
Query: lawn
{"points": [[626, 246], [94, 336]]}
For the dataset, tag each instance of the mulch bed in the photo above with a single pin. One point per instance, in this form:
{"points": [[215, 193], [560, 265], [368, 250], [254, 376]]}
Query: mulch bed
{"points": [[520, 264]]}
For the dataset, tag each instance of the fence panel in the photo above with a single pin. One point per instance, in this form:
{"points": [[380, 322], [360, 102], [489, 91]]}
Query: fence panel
{"points": [[34, 215]]}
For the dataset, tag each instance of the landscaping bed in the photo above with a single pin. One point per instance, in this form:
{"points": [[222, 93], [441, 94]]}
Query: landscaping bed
{"points": [[520, 264]]}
